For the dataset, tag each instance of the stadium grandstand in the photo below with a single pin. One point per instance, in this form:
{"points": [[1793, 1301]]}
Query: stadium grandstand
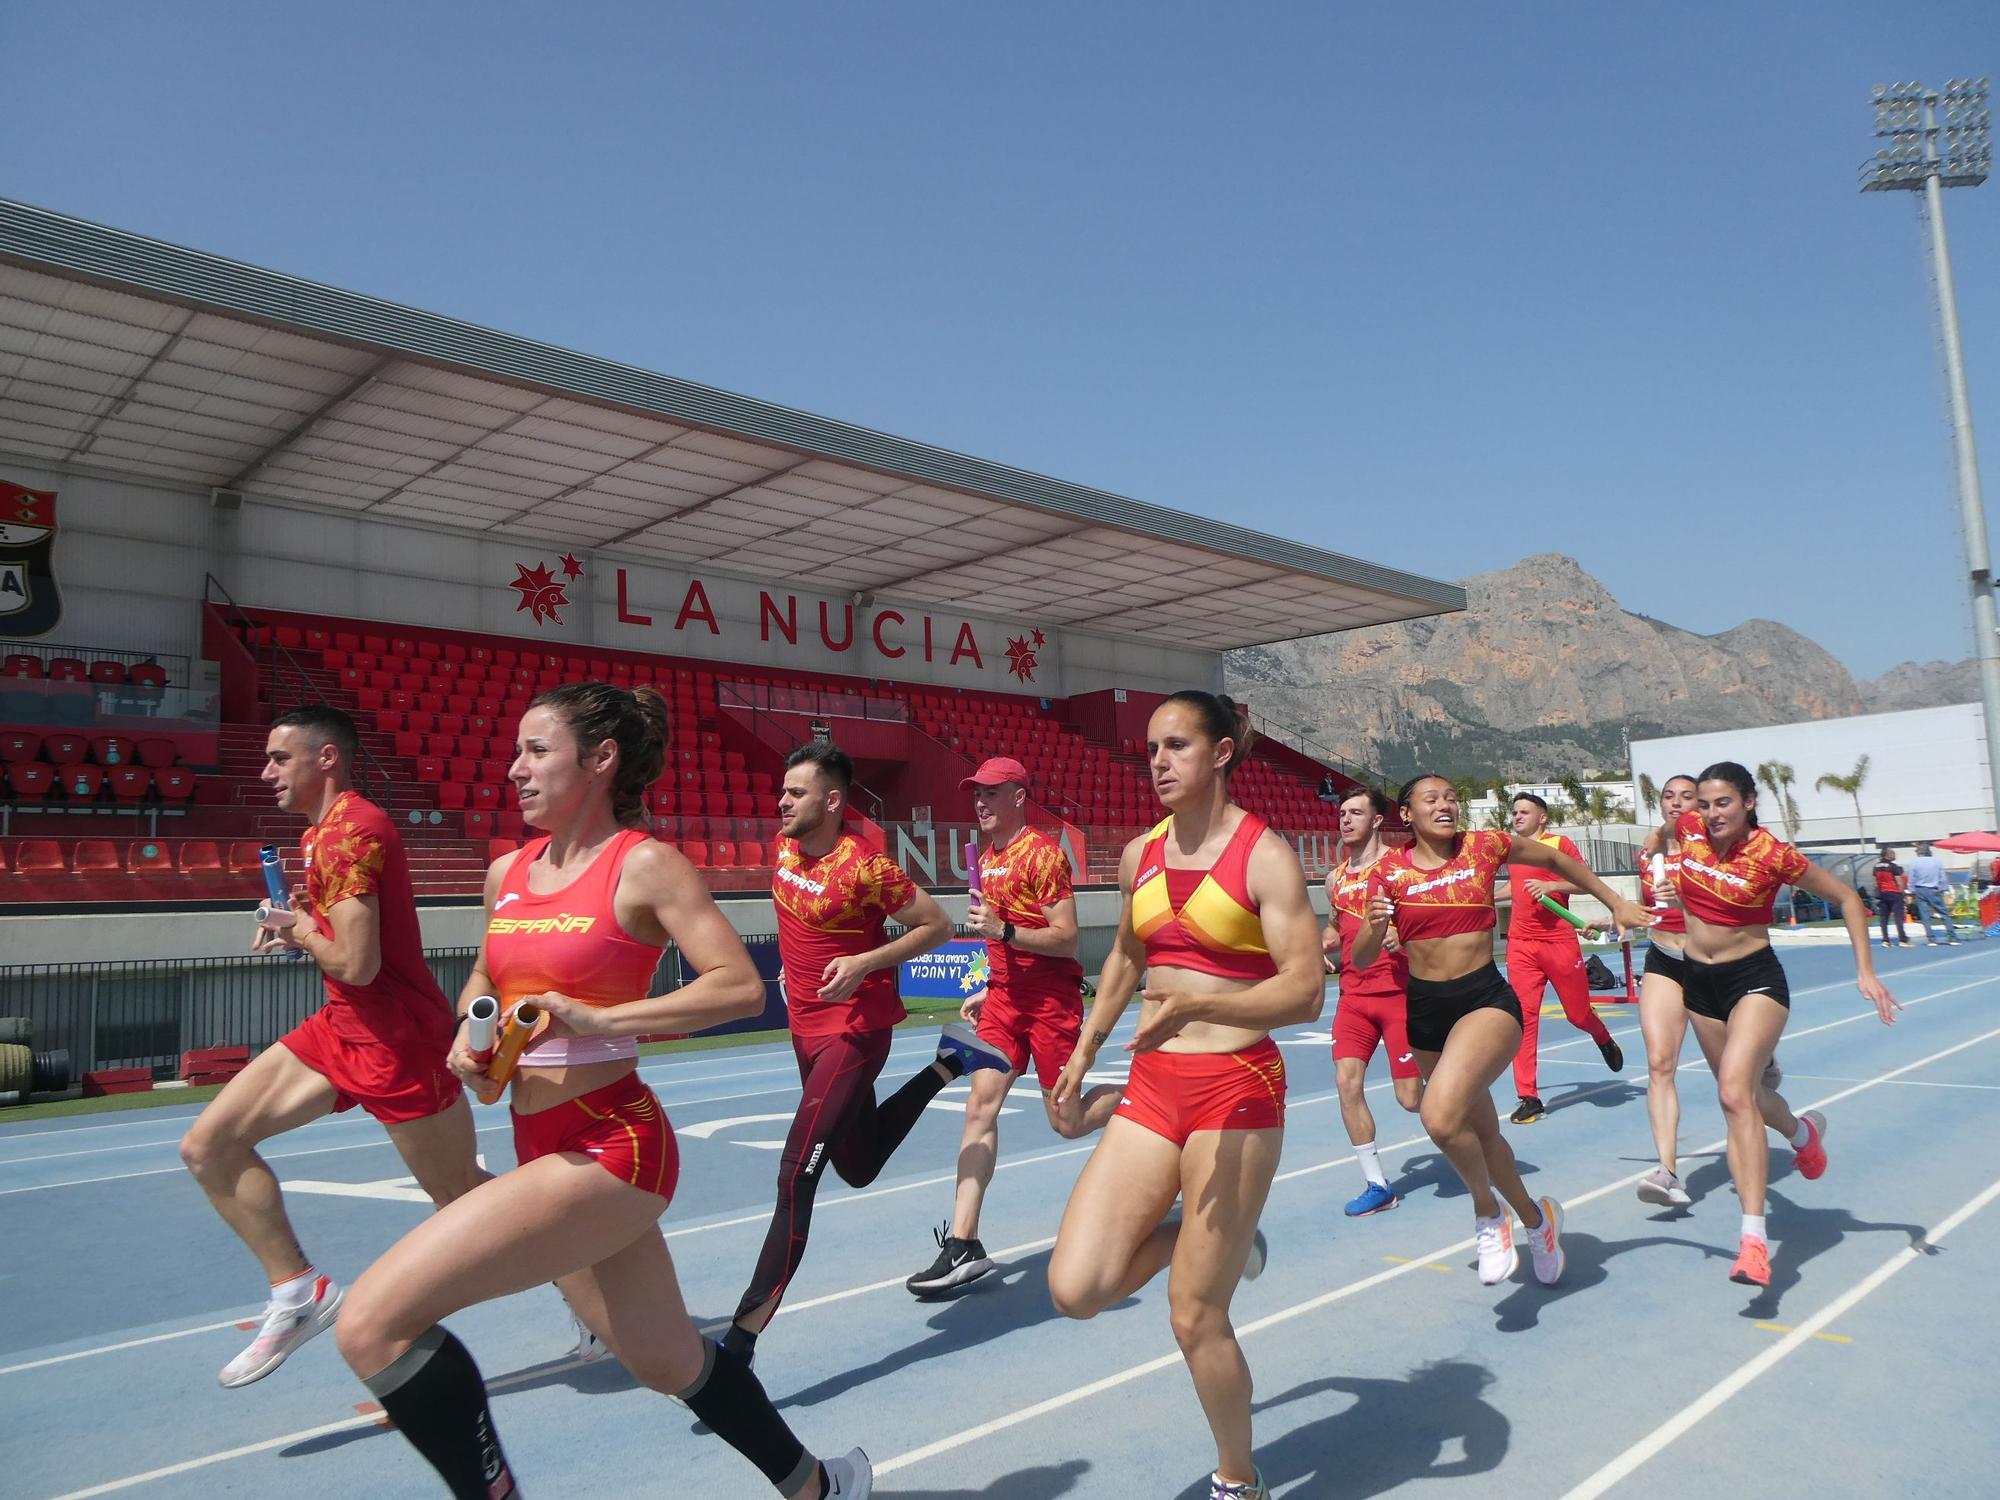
{"points": [[235, 491]]}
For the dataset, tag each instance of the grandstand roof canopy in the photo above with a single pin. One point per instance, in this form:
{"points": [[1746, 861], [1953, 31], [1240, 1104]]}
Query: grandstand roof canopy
{"points": [[130, 355]]}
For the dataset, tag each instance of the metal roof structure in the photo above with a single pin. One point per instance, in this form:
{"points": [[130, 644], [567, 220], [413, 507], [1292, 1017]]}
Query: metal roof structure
{"points": [[126, 354]]}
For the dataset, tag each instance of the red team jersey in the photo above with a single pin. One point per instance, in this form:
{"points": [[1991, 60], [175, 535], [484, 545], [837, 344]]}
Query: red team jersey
{"points": [[1531, 920], [1347, 894], [831, 906], [1455, 897], [1742, 890], [1021, 882], [355, 851]]}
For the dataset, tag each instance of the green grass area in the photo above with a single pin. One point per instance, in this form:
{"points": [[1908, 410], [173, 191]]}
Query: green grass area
{"points": [[159, 1098]]}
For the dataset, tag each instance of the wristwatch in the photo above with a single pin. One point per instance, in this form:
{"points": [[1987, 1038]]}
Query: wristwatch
{"points": [[1006, 932]]}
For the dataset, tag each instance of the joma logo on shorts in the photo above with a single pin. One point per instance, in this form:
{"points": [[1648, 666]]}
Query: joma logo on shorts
{"points": [[539, 925]]}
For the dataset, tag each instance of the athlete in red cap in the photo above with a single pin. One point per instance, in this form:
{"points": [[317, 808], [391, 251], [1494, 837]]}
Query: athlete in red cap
{"points": [[1032, 1007]]}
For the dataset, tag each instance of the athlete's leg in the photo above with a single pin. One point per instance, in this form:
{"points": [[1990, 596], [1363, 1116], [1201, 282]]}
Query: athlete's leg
{"points": [[1711, 1035], [869, 1133], [1572, 988], [1112, 1239], [1663, 1023], [441, 1151], [1526, 979], [978, 1148], [1739, 1048], [1349, 1075], [1459, 1116], [1225, 1176], [277, 1092]]}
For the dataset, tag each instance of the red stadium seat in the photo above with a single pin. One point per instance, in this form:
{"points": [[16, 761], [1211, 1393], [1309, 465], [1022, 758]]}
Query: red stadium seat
{"points": [[479, 824], [31, 780], [158, 754], [510, 825], [453, 795], [245, 856], [108, 673], [288, 636], [149, 676], [498, 848], [486, 795], [429, 767], [38, 857], [68, 669], [65, 749], [696, 852], [175, 784], [149, 858], [94, 856], [23, 665], [19, 745], [130, 783], [81, 782], [722, 856], [200, 857], [111, 750]]}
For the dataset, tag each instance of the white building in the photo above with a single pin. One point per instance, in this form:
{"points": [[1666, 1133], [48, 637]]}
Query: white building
{"points": [[1927, 772], [1480, 813]]}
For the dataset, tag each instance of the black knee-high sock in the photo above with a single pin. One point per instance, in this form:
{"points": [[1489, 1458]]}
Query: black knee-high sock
{"points": [[436, 1398], [897, 1115], [731, 1400]]}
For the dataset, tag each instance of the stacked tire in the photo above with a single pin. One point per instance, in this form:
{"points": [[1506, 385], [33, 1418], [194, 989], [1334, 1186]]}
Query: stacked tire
{"points": [[24, 1071]]}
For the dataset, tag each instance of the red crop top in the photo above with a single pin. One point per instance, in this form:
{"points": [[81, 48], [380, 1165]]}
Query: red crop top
{"points": [[1347, 893], [1457, 896], [1741, 890], [1203, 920]]}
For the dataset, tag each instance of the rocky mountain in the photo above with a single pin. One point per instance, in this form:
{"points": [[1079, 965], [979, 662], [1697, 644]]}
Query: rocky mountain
{"points": [[1542, 673], [1927, 684]]}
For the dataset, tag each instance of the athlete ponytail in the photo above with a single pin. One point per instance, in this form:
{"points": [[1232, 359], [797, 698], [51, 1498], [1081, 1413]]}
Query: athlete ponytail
{"points": [[1736, 776], [636, 720], [1222, 718]]}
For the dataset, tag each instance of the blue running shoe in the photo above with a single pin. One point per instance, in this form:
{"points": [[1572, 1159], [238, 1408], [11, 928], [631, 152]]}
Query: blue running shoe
{"points": [[1377, 1197], [958, 1045]]}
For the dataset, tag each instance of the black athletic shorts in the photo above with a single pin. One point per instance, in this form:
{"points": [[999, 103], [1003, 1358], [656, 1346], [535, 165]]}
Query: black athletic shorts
{"points": [[1713, 989], [1437, 1005], [1667, 965]]}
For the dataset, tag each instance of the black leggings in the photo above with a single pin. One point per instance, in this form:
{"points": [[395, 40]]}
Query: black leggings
{"points": [[1889, 904], [839, 1122]]}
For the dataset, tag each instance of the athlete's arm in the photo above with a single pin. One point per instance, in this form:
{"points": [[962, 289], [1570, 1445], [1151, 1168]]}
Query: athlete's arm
{"points": [[1374, 932], [1329, 939], [1296, 993], [1117, 982], [1854, 916], [1057, 940], [661, 899], [1626, 915], [353, 955], [925, 926]]}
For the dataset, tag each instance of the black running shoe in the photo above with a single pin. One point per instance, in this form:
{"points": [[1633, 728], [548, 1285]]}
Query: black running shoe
{"points": [[1527, 1111], [959, 1263], [1614, 1055]]}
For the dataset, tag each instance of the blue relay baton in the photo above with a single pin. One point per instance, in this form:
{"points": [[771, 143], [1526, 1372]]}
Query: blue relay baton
{"points": [[276, 913]]}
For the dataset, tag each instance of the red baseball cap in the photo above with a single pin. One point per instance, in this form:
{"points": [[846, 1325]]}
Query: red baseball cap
{"points": [[996, 772]]}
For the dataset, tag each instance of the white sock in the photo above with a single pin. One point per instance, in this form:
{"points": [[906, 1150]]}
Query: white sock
{"points": [[1753, 1227], [1371, 1164], [296, 1292], [1802, 1134]]}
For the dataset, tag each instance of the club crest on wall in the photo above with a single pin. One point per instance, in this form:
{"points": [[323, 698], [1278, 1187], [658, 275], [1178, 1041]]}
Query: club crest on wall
{"points": [[30, 603]]}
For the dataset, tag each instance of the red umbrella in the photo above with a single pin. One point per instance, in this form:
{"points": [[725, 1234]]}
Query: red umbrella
{"points": [[1970, 843]]}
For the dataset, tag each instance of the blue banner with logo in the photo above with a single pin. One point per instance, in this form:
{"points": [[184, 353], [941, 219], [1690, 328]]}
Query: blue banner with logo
{"points": [[948, 973]]}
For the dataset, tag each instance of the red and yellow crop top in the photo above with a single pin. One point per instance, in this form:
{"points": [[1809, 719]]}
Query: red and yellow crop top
{"points": [[1347, 893], [1203, 920], [1457, 896], [570, 942], [1742, 890], [1671, 918]]}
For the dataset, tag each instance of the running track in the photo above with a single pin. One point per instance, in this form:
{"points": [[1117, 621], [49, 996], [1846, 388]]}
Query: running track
{"points": [[1382, 1365]]}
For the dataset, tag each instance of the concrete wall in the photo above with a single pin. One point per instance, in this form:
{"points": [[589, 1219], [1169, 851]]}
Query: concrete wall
{"points": [[1927, 774], [130, 559]]}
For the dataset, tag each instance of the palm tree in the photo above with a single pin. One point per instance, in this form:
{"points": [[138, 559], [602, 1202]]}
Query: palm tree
{"points": [[1649, 794], [1603, 808], [1502, 816], [1575, 791], [1851, 784], [1776, 778]]}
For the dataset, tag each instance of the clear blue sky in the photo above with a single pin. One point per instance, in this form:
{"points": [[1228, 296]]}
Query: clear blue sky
{"points": [[1434, 285]]}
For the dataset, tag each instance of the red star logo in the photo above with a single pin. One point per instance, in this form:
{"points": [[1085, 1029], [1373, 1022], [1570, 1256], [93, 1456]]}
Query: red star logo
{"points": [[571, 567], [1021, 657], [1040, 640], [541, 595]]}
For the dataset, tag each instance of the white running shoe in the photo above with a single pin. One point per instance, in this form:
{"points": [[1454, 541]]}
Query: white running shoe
{"points": [[1664, 1188], [1260, 1255], [1498, 1259], [1545, 1243], [589, 1348], [849, 1478], [284, 1330]]}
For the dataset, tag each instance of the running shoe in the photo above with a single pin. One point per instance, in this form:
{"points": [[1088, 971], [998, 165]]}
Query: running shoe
{"points": [[849, 1478], [588, 1347], [959, 1045], [1810, 1158], [1223, 1489], [1773, 1074], [959, 1263], [1498, 1259], [1545, 1243], [1377, 1197], [1906, 943], [1527, 1111], [1753, 1263], [283, 1331], [1664, 1188], [1614, 1055], [1260, 1256]]}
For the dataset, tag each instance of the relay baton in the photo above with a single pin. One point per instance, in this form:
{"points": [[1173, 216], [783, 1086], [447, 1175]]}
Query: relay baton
{"points": [[276, 913], [520, 1030], [482, 1028], [1564, 912], [1659, 872], [972, 866]]}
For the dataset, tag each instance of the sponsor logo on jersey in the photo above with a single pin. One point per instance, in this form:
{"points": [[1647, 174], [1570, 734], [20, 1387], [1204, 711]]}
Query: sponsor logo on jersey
{"points": [[793, 877], [563, 922], [510, 896], [1440, 882]]}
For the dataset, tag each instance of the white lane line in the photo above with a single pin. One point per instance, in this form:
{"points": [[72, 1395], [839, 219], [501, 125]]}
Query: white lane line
{"points": [[157, 1338], [1907, 1083], [1326, 1299], [1711, 1400]]}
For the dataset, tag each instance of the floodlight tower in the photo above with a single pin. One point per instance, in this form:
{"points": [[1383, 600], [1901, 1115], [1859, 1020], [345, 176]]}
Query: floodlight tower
{"points": [[1922, 155]]}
